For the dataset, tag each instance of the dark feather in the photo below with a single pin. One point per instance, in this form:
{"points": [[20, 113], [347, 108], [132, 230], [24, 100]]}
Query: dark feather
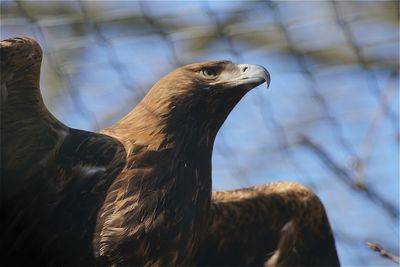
{"points": [[279, 224], [54, 179], [139, 192]]}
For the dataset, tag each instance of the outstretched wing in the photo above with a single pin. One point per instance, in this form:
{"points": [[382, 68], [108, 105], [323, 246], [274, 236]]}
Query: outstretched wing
{"points": [[28, 130], [279, 224], [53, 178]]}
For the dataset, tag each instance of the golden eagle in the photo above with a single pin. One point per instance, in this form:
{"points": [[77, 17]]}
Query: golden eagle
{"points": [[139, 192]]}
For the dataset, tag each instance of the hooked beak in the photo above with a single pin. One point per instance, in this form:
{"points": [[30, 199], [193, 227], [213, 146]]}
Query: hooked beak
{"points": [[245, 76], [253, 75]]}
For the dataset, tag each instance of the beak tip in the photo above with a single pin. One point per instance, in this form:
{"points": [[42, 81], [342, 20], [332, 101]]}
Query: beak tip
{"points": [[268, 78]]}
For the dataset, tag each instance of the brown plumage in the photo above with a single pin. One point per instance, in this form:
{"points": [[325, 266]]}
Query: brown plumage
{"points": [[278, 224], [139, 192]]}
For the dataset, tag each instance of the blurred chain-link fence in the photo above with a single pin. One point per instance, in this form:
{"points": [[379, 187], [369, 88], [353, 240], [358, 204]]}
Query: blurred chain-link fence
{"points": [[330, 119]]}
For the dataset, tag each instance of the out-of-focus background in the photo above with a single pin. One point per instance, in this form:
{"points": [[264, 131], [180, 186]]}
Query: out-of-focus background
{"points": [[330, 119]]}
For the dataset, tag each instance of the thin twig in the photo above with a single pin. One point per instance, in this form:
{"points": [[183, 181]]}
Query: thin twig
{"points": [[378, 116], [387, 95], [345, 177], [378, 248]]}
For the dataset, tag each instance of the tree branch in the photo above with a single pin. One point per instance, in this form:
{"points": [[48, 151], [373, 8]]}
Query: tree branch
{"points": [[344, 176], [378, 248]]}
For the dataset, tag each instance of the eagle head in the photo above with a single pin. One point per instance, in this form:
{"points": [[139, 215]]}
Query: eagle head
{"points": [[210, 78], [196, 99], [218, 76]]}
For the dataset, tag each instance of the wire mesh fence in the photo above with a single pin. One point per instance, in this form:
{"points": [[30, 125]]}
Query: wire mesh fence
{"points": [[330, 119]]}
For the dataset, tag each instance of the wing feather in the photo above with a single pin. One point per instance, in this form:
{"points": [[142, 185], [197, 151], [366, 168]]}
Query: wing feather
{"points": [[54, 179], [29, 132], [249, 226]]}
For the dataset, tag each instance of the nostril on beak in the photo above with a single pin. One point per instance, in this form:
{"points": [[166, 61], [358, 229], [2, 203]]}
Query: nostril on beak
{"points": [[245, 68]]}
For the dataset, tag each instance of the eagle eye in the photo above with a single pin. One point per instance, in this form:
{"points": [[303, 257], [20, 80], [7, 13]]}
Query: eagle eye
{"points": [[209, 73]]}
